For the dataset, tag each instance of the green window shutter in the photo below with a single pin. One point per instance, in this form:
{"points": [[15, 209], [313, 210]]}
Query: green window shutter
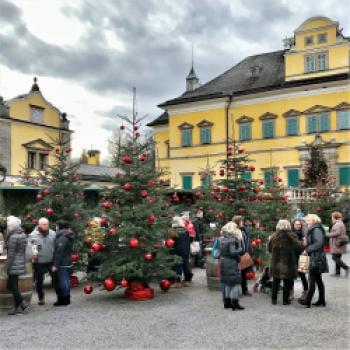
{"points": [[343, 120], [293, 178], [268, 178], [324, 122], [245, 131], [246, 175], [206, 181], [187, 182], [344, 176], [268, 129], [205, 135], [186, 137], [292, 126], [311, 124]]}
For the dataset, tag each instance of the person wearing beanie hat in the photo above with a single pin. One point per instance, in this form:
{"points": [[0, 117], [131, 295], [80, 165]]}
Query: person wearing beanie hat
{"points": [[15, 265], [229, 251]]}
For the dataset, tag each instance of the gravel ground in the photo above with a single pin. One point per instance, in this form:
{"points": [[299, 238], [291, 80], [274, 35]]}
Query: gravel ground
{"points": [[187, 318]]}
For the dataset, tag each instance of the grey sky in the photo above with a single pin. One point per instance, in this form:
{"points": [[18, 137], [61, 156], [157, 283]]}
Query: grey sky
{"points": [[147, 43]]}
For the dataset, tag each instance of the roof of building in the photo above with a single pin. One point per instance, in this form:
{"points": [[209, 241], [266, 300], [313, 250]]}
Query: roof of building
{"points": [[161, 120], [97, 172]]}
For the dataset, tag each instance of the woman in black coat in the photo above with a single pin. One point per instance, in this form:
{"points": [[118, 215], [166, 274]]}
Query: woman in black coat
{"points": [[15, 265], [318, 261], [229, 251]]}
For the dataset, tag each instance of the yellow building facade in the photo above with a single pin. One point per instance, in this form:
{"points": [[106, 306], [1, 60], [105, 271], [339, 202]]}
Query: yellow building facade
{"points": [[272, 105], [28, 125]]}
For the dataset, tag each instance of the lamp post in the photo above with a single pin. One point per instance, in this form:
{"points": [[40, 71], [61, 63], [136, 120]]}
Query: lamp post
{"points": [[3, 171]]}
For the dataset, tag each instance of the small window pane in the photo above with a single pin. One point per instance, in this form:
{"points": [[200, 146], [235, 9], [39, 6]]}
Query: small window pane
{"points": [[311, 124], [343, 120], [268, 129], [187, 182], [309, 40], [42, 161], [186, 137], [322, 38], [37, 114], [245, 132], [205, 133], [310, 64], [321, 60], [31, 160], [344, 176], [292, 126], [324, 122], [293, 178]]}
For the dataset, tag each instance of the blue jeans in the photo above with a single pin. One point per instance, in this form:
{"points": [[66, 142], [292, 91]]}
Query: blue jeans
{"points": [[63, 277]]}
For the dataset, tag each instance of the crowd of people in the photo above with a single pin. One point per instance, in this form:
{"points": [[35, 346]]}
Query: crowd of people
{"points": [[50, 252]]}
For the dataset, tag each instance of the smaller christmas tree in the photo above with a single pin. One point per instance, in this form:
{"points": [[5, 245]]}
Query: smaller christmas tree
{"points": [[61, 197]]}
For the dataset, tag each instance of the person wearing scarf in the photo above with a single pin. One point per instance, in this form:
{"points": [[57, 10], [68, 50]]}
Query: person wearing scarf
{"points": [[15, 266]]}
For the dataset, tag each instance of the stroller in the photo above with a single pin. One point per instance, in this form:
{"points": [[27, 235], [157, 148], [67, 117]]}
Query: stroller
{"points": [[264, 284]]}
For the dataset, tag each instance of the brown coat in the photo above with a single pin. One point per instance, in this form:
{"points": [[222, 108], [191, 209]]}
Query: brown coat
{"points": [[337, 232], [285, 249]]}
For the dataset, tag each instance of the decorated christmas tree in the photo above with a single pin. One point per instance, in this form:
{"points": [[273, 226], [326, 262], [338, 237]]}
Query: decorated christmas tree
{"points": [[60, 197], [135, 243]]}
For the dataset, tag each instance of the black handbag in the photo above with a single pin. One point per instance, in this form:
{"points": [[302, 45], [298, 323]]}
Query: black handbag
{"points": [[319, 263]]}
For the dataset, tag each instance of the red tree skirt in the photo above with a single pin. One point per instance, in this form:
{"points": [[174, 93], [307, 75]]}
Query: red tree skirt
{"points": [[139, 291]]}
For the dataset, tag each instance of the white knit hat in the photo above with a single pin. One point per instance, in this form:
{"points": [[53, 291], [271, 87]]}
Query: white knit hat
{"points": [[14, 222], [178, 222]]}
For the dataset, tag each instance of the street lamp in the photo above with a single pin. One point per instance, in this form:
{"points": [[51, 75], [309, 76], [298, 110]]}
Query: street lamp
{"points": [[2, 173]]}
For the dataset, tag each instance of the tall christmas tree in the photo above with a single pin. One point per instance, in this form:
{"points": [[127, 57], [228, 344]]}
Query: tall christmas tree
{"points": [[135, 249], [316, 168], [61, 196]]}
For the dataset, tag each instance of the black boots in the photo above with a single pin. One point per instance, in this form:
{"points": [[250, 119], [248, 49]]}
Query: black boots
{"points": [[304, 302], [236, 306], [16, 311], [62, 301], [320, 303], [227, 303]]}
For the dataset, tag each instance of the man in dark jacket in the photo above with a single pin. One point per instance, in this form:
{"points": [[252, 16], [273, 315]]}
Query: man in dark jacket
{"points": [[15, 265], [43, 242], [62, 262], [197, 222]]}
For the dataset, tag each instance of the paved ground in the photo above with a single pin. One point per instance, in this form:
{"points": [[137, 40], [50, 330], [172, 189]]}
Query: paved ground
{"points": [[187, 318]]}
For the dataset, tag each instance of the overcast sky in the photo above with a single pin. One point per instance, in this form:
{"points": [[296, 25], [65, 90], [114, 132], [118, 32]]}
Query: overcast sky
{"points": [[88, 54]]}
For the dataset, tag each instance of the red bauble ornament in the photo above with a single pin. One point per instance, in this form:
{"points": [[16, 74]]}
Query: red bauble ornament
{"points": [[169, 243], [240, 150], [46, 152], [254, 223], [175, 198], [144, 194], [148, 256], [254, 244], [122, 127], [49, 211], [124, 283], [113, 231], [109, 284], [241, 209], [143, 157], [242, 188], [136, 127], [106, 205], [133, 243], [250, 275], [68, 149], [39, 197], [128, 186], [103, 222], [318, 209], [258, 261], [126, 160], [256, 190], [258, 241], [88, 241], [261, 182], [229, 151], [252, 168], [137, 134], [88, 289], [75, 257], [152, 218], [58, 197], [46, 192], [149, 183], [96, 247], [165, 285], [216, 189], [57, 150], [222, 172], [225, 189]]}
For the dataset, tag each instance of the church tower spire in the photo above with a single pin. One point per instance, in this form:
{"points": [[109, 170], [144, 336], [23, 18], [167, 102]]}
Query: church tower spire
{"points": [[192, 81]]}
